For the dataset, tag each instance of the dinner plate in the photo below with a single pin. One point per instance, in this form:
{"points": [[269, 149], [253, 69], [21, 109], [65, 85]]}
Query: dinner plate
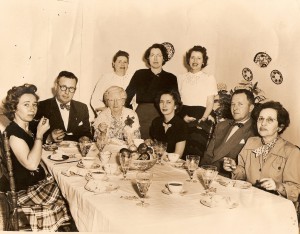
{"points": [[218, 201], [63, 158], [94, 166], [101, 187], [51, 147], [241, 184], [67, 144]]}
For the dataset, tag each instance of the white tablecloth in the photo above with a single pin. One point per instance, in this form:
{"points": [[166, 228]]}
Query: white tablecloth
{"points": [[109, 213]]}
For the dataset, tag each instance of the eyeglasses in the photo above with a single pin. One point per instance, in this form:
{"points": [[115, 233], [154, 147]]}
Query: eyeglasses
{"points": [[64, 88], [111, 101], [269, 120]]}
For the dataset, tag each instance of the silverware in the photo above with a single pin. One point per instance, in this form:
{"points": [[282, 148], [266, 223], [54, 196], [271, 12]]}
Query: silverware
{"points": [[66, 162]]}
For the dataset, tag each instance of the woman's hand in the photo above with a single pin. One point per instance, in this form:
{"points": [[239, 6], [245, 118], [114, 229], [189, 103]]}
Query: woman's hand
{"points": [[268, 184], [229, 164], [42, 127], [102, 127], [188, 119]]}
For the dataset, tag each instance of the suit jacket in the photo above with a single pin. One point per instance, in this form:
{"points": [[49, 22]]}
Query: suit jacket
{"points": [[218, 148], [78, 125]]}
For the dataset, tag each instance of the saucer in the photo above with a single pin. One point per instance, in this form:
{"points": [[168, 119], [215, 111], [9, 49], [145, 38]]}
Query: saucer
{"points": [[62, 158], [168, 192]]}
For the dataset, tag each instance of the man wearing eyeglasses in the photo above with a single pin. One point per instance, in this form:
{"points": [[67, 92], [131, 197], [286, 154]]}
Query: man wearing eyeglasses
{"points": [[231, 135], [69, 119]]}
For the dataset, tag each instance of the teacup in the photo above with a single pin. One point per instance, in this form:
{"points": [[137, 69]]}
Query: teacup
{"points": [[111, 168], [105, 157], [175, 187], [173, 157], [88, 162]]}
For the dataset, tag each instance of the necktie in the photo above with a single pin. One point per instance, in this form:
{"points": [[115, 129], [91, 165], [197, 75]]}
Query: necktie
{"points": [[63, 106], [232, 123]]}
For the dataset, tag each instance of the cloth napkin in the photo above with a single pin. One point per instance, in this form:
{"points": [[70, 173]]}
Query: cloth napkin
{"points": [[74, 170]]}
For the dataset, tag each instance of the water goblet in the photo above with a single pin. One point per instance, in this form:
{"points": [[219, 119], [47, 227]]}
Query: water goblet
{"points": [[143, 181], [125, 160], [160, 148], [192, 162], [101, 142], [208, 173]]}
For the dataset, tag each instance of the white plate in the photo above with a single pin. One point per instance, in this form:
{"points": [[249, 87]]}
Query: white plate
{"points": [[104, 187], [218, 201], [168, 192], [241, 184], [67, 144]]}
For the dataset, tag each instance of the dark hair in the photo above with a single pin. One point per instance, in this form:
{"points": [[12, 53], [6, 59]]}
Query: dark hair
{"points": [[200, 49], [13, 97], [248, 93], [121, 53], [66, 74], [283, 117], [162, 49], [175, 95]]}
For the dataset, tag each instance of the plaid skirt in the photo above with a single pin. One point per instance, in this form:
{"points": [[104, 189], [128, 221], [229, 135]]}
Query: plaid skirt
{"points": [[44, 206]]}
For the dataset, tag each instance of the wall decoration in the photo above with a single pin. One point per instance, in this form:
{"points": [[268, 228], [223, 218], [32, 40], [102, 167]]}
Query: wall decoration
{"points": [[276, 77], [257, 92], [262, 59], [247, 74], [170, 49]]}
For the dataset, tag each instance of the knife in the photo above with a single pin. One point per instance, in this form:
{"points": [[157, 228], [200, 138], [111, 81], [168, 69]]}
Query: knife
{"points": [[66, 162]]}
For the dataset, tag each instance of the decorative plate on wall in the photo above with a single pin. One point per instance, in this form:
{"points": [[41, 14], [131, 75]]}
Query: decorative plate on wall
{"points": [[247, 74], [262, 59], [170, 49], [276, 77]]}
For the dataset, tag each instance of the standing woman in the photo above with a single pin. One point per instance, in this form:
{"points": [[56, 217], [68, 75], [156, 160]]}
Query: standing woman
{"points": [[26, 150], [119, 77], [147, 83], [169, 127], [197, 90], [268, 161]]}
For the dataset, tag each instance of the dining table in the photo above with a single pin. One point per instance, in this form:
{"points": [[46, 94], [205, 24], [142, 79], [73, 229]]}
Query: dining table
{"points": [[254, 210]]}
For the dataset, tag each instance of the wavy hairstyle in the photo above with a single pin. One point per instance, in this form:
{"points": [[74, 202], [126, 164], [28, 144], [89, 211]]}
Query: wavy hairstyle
{"points": [[200, 49], [162, 49], [174, 94], [13, 97]]}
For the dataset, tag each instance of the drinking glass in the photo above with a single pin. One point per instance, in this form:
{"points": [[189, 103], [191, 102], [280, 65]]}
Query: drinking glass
{"points": [[192, 162], [160, 148], [101, 142], [85, 148], [125, 160], [143, 181], [208, 174]]}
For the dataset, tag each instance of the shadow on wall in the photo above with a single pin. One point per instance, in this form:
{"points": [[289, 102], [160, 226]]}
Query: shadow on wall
{"points": [[4, 121]]}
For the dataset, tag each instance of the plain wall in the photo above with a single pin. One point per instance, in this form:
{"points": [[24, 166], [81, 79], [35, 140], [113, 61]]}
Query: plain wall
{"points": [[41, 38]]}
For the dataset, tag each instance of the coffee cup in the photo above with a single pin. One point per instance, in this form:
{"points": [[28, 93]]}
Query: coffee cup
{"points": [[175, 187], [105, 157], [88, 162], [173, 157]]}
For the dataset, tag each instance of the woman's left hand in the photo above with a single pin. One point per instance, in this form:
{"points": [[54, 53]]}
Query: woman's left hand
{"points": [[268, 184]]}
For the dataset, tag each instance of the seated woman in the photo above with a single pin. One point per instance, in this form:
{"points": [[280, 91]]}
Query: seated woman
{"points": [[26, 149], [117, 123], [169, 127], [269, 161]]}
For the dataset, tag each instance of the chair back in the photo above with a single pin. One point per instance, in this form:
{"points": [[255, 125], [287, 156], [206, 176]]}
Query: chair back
{"points": [[210, 133], [6, 164]]}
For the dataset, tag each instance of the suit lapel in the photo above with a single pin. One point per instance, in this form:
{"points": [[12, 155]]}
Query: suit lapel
{"points": [[73, 121], [56, 115]]}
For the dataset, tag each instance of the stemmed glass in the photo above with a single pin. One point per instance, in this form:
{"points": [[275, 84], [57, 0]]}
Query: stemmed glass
{"points": [[125, 160], [160, 148], [192, 162], [208, 173], [143, 181]]}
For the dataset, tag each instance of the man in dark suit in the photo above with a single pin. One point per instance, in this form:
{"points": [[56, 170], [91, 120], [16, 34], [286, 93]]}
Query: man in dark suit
{"points": [[69, 119], [231, 135]]}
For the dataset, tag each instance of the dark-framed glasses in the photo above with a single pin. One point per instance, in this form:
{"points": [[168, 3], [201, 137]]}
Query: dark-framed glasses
{"points": [[64, 88], [269, 120]]}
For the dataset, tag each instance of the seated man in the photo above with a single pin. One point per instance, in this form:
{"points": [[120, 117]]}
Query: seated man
{"points": [[231, 135], [69, 119]]}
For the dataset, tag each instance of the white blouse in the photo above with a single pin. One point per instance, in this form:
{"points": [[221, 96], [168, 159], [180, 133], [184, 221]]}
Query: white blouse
{"points": [[195, 88]]}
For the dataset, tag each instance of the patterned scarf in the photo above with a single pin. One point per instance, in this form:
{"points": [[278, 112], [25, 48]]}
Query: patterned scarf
{"points": [[264, 149]]}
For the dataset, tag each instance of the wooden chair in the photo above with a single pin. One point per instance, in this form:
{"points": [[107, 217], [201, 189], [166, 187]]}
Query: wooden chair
{"points": [[17, 220]]}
